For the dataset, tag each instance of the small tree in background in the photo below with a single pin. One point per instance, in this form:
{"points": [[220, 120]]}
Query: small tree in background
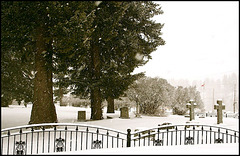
{"points": [[182, 97], [180, 100], [152, 95], [195, 95]]}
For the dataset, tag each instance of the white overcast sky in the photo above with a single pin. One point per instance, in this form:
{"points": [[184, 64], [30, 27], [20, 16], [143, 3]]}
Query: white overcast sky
{"points": [[202, 40]]}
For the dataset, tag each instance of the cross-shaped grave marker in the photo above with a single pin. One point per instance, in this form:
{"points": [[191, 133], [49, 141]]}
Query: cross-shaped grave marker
{"points": [[191, 105], [219, 107]]}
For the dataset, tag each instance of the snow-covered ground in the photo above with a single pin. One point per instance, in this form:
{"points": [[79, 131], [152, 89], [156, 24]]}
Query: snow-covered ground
{"points": [[213, 149], [19, 115]]}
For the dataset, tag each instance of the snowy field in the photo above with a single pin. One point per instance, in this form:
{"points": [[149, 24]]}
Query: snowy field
{"points": [[19, 115], [211, 149]]}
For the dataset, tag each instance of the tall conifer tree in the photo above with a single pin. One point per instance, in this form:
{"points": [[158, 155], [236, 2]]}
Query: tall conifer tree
{"points": [[123, 38], [41, 30]]}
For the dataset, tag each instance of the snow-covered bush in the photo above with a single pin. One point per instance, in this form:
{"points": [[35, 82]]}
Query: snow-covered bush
{"points": [[152, 95], [75, 101]]}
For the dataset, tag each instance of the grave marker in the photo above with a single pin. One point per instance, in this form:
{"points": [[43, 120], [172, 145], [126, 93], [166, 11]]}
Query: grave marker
{"points": [[81, 115], [137, 115], [219, 107], [191, 105], [124, 113]]}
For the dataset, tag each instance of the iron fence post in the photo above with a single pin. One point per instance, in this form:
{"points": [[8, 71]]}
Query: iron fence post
{"points": [[128, 137]]}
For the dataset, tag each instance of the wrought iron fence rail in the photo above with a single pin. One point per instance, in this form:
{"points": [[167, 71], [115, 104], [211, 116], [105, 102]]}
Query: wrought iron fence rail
{"points": [[52, 125], [185, 134], [58, 137], [183, 127], [45, 138]]}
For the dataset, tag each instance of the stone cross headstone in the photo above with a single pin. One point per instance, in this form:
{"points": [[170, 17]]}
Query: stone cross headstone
{"points": [[124, 113], [219, 107], [81, 115], [191, 105]]}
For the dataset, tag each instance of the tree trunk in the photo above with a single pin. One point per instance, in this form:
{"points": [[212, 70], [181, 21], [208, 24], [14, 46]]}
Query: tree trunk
{"points": [[110, 106], [43, 109], [61, 96], [96, 97], [96, 104]]}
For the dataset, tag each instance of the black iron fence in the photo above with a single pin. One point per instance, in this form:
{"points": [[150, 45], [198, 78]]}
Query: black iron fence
{"points": [[184, 135], [59, 137]]}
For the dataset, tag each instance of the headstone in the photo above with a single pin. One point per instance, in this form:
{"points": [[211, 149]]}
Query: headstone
{"points": [[211, 114], [109, 117], [191, 105], [124, 113], [81, 115], [201, 115], [137, 115], [231, 115], [219, 107]]}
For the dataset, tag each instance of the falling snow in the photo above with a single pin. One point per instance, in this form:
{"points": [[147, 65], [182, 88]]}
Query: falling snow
{"points": [[139, 56]]}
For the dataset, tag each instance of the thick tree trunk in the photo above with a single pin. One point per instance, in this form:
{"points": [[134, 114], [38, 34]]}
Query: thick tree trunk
{"points": [[96, 104], [43, 110], [61, 96], [96, 97], [110, 106]]}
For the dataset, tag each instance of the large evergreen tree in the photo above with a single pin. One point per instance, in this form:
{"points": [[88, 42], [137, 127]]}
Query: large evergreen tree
{"points": [[16, 67], [122, 31], [41, 30], [95, 38], [16, 79], [132, 47]]}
